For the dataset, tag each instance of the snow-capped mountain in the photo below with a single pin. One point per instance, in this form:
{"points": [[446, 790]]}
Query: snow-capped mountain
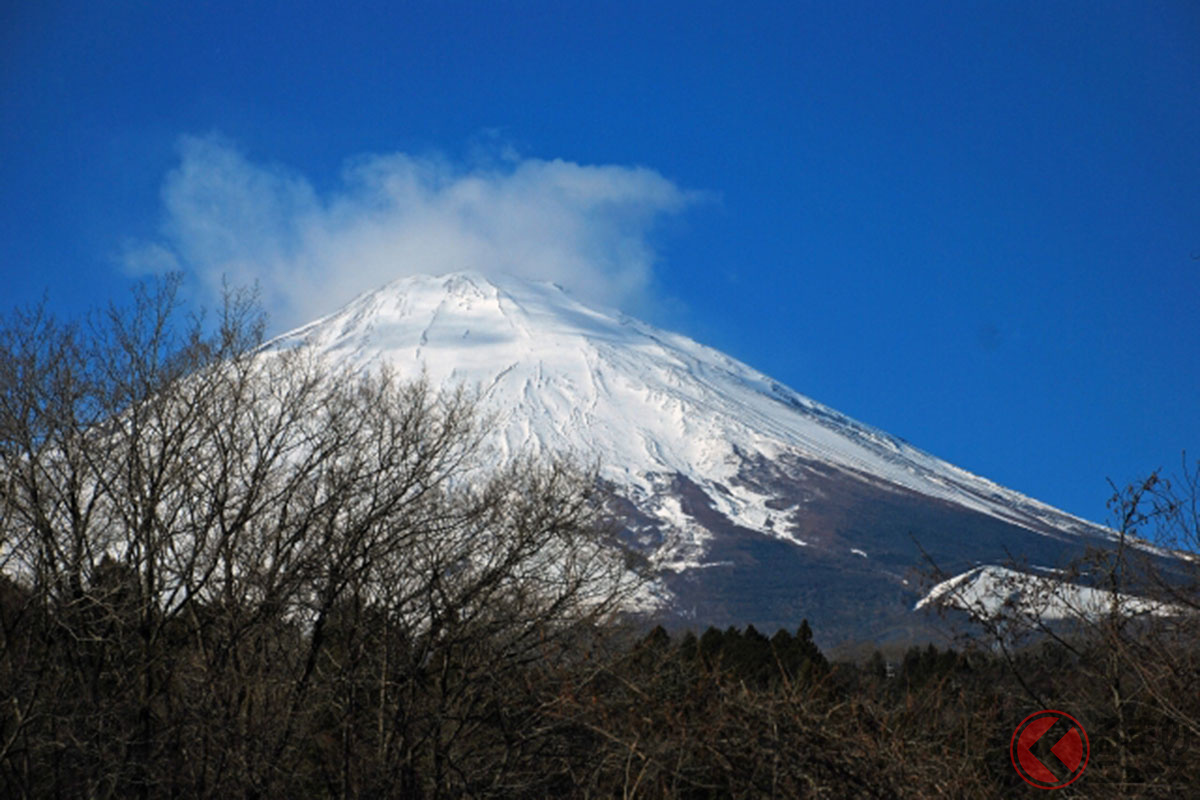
{"points": [[757, 503]]}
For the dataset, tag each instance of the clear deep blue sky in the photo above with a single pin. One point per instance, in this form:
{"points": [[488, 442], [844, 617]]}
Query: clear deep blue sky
{"points": [[974, 225]]}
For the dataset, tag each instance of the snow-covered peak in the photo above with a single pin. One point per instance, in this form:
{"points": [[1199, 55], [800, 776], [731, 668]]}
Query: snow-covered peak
{"points": [[462, 302], [645, 404]]}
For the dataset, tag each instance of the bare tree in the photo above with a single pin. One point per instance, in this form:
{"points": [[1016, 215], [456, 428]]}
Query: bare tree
{"points": [[1114, 635], [236, 569]]}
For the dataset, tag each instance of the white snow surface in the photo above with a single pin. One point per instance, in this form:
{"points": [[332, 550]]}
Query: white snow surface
{"points": [[641, 402], [989, 591]]}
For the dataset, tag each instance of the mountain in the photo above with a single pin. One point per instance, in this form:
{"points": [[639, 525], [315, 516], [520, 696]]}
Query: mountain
{"points": [[755, 503]]}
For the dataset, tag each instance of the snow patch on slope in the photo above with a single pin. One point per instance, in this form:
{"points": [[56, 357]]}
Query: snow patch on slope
{"points": [[989, 592]]}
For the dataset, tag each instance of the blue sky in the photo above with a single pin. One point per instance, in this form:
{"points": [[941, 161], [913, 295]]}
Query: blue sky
{"points": [[974, 225]]}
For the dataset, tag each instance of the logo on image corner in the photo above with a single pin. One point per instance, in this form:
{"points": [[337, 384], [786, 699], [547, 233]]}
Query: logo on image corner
{"points": [[1056, 765]]}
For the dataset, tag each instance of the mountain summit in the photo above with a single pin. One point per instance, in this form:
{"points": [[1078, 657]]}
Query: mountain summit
{"points": [[756, 503]]}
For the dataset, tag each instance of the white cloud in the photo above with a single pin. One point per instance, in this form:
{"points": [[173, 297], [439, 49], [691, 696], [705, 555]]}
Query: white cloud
{"points": [[148, 258], [585, 227]]}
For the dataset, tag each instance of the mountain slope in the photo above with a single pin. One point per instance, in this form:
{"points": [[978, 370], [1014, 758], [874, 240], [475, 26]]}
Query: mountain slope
{"points": [[744, 491]]}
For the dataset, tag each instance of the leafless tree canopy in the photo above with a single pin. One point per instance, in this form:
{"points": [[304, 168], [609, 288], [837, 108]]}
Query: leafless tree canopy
{"points": [[230, 571], [1123, 653]]}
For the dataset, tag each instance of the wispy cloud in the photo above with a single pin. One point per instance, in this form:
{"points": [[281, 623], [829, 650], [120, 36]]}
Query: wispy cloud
{"points": [[585, 227]]}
